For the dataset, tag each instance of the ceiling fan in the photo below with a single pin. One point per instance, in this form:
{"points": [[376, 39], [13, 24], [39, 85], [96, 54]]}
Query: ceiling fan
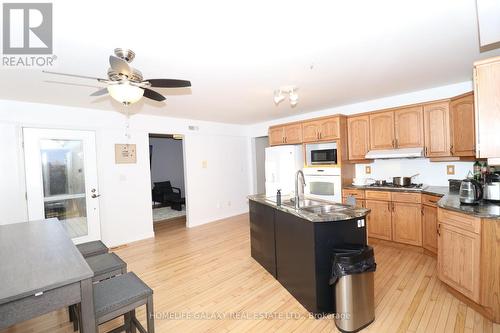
{"points": [[125, 83]]}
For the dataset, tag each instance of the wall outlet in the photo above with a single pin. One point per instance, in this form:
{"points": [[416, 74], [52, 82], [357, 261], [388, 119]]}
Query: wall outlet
{"points": [[450, 169], [368, 169], [204, 164]]}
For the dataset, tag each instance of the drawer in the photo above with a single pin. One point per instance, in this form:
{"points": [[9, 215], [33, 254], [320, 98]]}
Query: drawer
{"points": [[459, 220], [358, 194], [378, 195], [430, 200], [406, 197]]}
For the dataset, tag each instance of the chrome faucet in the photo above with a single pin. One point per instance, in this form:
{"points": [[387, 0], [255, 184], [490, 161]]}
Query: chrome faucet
{"points": [[302, 183]]}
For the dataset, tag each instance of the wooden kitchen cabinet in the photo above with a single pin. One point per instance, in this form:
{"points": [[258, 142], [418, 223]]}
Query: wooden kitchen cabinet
{"points": [[407, 223], [326, 129], [437, 129], [462, 122], [429, 228], [276, 136], [459, 259], [487, 106], [382, 130], [293, 134], [358, 137], [285, 134], [409, 127], [378, 222]]}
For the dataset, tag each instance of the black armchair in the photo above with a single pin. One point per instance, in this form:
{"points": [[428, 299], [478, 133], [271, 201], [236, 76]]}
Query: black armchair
{"points": [[165, 193]]}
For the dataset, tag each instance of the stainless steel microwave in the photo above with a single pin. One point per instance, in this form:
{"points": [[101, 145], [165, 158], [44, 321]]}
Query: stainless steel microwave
{"points": [[324, 156]]}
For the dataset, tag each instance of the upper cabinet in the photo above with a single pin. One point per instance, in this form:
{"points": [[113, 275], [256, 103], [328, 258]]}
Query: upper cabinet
{"points": [[409, 127], [437, 129], [326, 129], [285, 134], [449, 128], [358, 137], [487, 99], [462, 120], [382, 130], [403, 128]]}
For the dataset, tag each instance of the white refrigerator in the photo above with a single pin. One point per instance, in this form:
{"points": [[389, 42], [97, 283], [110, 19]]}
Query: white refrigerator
{"points": [[282, 162]]}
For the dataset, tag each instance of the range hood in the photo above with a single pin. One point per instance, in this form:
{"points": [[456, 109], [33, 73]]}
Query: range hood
{"points": [[395, 153]]}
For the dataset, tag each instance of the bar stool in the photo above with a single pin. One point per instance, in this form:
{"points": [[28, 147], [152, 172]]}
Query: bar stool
{"points": [[120, 296], [90, 249], [104, 266]]}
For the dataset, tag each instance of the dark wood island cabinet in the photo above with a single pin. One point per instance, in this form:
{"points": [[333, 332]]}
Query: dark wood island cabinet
{"points": [[298, 252]]}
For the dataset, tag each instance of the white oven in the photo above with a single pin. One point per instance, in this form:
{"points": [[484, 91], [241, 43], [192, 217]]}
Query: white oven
{"points": [[323, 183]]}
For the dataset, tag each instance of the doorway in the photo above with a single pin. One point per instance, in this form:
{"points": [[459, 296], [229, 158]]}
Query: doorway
{"points": [[259, 146], [166, 157], [61, 180]]}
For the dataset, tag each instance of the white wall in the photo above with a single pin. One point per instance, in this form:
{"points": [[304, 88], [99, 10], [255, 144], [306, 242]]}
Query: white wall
{"points": [[431, 173], [125, 202], [420, 96], [167, 162]]}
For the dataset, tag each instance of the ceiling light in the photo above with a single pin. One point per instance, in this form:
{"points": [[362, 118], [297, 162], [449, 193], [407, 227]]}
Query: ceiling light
{"points": [[278, 97], [294, 98], [125, 93]]}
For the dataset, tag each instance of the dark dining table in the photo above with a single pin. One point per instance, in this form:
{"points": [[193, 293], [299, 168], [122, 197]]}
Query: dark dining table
{"points": [[41, 270]]}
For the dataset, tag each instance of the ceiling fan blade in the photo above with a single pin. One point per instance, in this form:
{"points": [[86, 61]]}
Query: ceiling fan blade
{"points": [[169, 83], [151, 94], [76, 75], [119, 65], [100, 92]]}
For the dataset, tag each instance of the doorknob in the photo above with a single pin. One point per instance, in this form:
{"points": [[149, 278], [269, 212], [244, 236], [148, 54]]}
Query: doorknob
{"points": [[93, 196]]}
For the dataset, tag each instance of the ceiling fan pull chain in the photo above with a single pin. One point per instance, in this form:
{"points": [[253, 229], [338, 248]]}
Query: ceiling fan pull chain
{"points": [[127, 123]]}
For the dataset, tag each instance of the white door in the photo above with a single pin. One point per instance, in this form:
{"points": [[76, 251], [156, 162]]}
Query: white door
{"points": [[61, 180]]}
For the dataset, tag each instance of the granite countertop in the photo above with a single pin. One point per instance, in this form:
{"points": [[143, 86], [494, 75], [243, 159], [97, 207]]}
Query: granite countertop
{"points": [[449, 200], [486, 210], [340, 213], [433, 190]]}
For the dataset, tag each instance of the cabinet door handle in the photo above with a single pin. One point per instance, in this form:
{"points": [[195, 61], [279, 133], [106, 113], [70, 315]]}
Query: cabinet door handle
{"points": [[451, 149], [393, 146], [422, 211], [392, 204], [396, 143], [439, 229], [425, 151]]}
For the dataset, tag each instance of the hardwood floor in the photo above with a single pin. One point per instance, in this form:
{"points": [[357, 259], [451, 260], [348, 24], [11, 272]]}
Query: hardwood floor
{"points": [[208, 271]]}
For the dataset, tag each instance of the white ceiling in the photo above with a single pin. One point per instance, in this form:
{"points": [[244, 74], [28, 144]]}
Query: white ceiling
{"points": [[237, 53]]}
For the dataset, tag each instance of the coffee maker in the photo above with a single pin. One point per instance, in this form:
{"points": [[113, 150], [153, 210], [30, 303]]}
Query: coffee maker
{"points": [[492, 187]]}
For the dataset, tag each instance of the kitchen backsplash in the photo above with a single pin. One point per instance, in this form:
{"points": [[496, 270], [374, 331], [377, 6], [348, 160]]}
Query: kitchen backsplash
{"points": [[431, 173]]}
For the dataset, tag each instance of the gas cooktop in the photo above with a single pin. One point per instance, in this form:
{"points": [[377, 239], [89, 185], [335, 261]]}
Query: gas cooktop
{"points": [[392, 185]]}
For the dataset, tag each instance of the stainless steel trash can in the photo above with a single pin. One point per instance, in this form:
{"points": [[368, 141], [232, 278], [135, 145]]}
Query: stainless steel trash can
{"points": [[354, 300], [352, 276]]}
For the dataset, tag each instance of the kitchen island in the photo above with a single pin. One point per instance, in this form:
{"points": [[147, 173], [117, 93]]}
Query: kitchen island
{"points": [[296, 245]]}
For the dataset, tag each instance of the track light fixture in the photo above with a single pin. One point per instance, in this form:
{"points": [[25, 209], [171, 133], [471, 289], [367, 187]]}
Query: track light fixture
{"points": [[280, 95]]}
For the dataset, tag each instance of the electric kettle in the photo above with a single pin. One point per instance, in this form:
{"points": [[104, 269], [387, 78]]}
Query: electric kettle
{"points": [[471, 192]]}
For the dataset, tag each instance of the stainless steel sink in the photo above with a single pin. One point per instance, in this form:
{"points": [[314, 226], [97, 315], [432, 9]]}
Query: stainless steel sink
{"points": [[324, 209], [303, 203]]}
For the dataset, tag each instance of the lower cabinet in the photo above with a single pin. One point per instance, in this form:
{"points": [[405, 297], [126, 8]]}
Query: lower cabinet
{"points": [[262, 247], [407, 223], [459, 260], [379, 220], [429, 228]]}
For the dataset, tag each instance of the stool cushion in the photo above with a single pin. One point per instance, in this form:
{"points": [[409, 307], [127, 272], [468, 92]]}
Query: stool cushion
{"points": [[92, 248], [120, 291], [105, 263]]}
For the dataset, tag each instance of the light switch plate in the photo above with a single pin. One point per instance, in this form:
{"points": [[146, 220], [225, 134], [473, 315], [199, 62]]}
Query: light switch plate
{"points": [[450, 169], [204, 164], [368, 169]]}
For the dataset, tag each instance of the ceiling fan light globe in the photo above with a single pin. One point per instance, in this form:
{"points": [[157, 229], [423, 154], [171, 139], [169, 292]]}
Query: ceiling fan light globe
{"points": [[125, 93]]}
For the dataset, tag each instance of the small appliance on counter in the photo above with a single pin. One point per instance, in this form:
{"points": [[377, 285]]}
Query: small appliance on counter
{"points": [[471, 192], [492, 187]]}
